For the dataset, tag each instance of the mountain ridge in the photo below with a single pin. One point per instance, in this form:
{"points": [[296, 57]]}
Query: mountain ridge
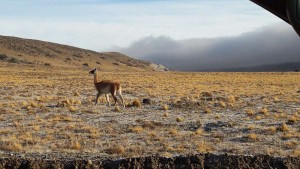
{"points": [[14, 50]]}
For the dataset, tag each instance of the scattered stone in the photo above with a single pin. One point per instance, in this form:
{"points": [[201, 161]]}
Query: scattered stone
{"points": [[147, 101]]}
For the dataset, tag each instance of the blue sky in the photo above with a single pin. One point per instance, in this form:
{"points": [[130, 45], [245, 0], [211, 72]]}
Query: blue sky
{"points": [[103, 25]]}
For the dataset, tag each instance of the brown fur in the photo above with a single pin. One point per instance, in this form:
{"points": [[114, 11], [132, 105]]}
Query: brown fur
{"points": [[114, 86]]}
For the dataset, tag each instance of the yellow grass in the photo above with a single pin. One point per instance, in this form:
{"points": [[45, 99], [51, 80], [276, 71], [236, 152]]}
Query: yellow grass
{"points": [[165, 107], [204, 147], [250, 112], [252, 137], [207, 110], [264, 111], [166, 114], [283, 127], [72, 109], [199, 131], [179, 119], [12, 146], [116, 149], [117, 109], [173, 131], [75, 145], [52, 109], [296, 153], [137, 129], [136, 103]]}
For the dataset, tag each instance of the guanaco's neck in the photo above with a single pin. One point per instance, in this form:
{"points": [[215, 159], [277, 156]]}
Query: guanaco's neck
{"points": [[95, 77]]}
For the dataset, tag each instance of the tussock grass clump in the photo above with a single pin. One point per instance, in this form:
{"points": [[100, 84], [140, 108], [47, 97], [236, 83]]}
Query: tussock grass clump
{"points": [[137, 129], [276, 99], [204, 147], [166, 154], [250, 112], [276, 115], [136, 103], [165, 107], [173, 131], [117, 109], [208, 111], [252, 137], [24, 103], [179, 119], [222, 104], [199, 131], [264, 111], [89, 129], [72, 109], [64, 103], [283, 127], [116, 149], [11, 146], [17, 124], [76, 93], [292, 120], [250, 127], [70, 127], [152, 134], [41, 98], [230, 104], [4, 131], [271, 130], [61, 117], [27, 137], [217, 116], [75, 145], [291, 144], [36, 128], [282, 115], [34, 104], [296, 153], [166, 114], [231, 99], [30, 112], [258, 117], [72, 101], [288, 136]]}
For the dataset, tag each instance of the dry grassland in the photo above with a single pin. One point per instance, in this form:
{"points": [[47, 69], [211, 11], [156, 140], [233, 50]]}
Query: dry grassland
{"points": [[50, 111]]}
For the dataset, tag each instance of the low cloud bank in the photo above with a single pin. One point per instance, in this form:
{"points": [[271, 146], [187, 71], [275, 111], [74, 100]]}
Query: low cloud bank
{"points": [[269, 45]]}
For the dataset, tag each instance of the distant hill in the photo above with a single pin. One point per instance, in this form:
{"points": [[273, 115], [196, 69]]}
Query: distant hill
{"points": [[15, 50]]}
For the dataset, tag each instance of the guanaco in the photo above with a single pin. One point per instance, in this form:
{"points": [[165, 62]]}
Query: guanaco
{"points": [[106, 87]]}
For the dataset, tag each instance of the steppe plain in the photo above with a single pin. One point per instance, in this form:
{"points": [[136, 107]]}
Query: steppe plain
{"points": [[48, 110]]}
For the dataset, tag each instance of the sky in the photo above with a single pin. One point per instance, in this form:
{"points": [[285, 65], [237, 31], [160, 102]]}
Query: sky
{"points": [[194, 27]]}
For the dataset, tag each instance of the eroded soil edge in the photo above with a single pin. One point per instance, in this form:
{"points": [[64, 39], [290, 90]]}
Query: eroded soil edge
{"points": [[191, 161]]}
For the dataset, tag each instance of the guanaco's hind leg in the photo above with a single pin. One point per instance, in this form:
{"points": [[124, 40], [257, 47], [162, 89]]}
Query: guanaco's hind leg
{"points": [[107, 99], [114, 97], [119, 93]]}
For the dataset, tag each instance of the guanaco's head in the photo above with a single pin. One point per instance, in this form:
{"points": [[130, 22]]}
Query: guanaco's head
{"points": [[93, 71]]}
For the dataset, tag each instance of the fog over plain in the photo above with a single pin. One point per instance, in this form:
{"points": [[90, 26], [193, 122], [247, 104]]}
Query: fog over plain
{"points": [[272, 44]]}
